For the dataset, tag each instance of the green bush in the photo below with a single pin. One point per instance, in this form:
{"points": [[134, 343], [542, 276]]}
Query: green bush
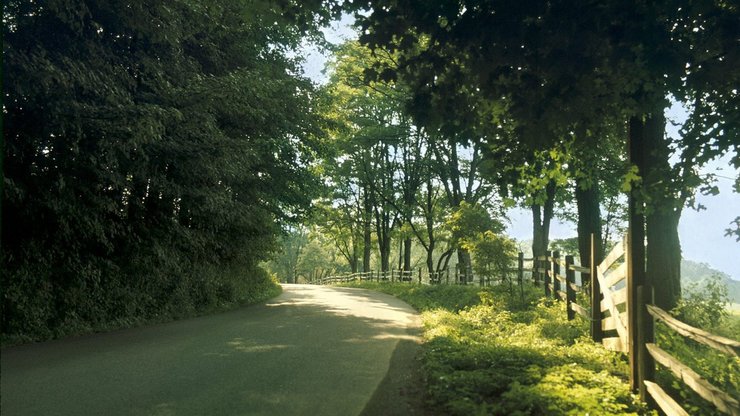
{"points": [[44, 310], [703, 305], [512, 355]]}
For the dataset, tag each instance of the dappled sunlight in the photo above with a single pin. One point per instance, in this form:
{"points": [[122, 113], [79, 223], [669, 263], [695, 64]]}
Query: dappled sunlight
{"points": [[275, 358], [387, 335], [347, 302], [242, 345]]}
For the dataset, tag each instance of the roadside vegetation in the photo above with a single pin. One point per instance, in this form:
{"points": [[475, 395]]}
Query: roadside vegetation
{"points": [[231, 290], [490, 351], [148, 168]]}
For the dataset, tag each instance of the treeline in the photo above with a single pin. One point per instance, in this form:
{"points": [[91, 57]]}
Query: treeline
{"points": [[400, 196], [152, 150], [547, 103]]}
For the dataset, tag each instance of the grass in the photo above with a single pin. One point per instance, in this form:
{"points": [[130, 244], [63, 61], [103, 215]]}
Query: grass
{"points": [[487, 352]]}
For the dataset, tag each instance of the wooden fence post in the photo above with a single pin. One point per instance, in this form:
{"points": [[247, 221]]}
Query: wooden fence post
{"points": [[570, 294], [555, 275], [640, 323], [535, 270], [645, 335], [548, 273], [596, 333], [520, 268]]}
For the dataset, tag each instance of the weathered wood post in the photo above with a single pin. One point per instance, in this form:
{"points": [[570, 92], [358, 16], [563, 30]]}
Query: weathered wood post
{"points": [[645, 335], [447, 270], [640, 322], [548, 273], [570, 293], [596, 332], [635, 256], [419, 275], [556, 275], [520, 268]]}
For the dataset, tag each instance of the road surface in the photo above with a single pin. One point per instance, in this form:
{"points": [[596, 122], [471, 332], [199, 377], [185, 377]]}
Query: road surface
{"points": [[314, 350]]}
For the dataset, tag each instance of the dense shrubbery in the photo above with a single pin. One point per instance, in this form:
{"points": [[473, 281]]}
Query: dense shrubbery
{"points": [[490, 351], [500, 355], [151, 150]]}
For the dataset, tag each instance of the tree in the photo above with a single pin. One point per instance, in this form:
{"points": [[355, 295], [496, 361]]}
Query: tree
{"points": [[284, 263], [559, 67], [151, 154]]}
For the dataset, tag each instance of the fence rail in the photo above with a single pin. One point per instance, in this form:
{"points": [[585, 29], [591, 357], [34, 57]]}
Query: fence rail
{"points": [[619, 315]]}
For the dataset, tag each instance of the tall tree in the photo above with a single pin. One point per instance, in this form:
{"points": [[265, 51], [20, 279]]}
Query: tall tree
{"points": [[559, 65], [152, 150]]}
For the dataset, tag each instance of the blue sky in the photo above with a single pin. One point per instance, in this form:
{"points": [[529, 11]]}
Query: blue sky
{"points": [[701, 233]]}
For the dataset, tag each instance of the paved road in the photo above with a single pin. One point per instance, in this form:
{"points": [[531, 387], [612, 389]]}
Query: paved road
{"points": [[311, 351]]}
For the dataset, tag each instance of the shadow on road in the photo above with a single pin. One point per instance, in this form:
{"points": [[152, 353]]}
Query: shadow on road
{"points": [[312, 350]]}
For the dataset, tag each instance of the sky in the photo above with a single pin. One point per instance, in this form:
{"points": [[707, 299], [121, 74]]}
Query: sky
{"points": [[701, 233]]}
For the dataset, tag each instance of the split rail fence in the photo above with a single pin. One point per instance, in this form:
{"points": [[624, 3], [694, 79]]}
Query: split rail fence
{"points": [[623, 320]]}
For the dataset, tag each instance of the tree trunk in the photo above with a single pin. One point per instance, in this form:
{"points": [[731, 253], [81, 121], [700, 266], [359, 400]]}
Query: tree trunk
{"points": [[650, 151], [384, 239], [366, 231], [444, 259], [385, 256], [664, 257], [400, 254], [353, 263], [541, 217], [430, 257], [589, 221], [464, 263], [407, 254], [429, 216]]}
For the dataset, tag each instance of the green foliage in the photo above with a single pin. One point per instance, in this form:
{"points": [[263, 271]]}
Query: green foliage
{"points": [[703, 304], [565, 245], [472, 228], [487, 360], [424, 298], [719, 369], [469, 221], [693, 272], [494, 255], [499, 356], [151, 152]]}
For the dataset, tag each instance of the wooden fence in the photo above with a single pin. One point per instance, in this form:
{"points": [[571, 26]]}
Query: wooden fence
{"points": [[419, 275], [623, 320], [386, 276]]}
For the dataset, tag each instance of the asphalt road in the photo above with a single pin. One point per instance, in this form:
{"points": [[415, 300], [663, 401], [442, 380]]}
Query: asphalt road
{"points": [[313, 350]]}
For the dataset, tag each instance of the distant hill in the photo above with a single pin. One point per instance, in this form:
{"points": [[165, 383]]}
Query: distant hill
{"points": [[692, 271]]}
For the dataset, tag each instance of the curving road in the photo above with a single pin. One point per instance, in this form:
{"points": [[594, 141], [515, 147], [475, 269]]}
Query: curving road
{"points": [[314, 350]]}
